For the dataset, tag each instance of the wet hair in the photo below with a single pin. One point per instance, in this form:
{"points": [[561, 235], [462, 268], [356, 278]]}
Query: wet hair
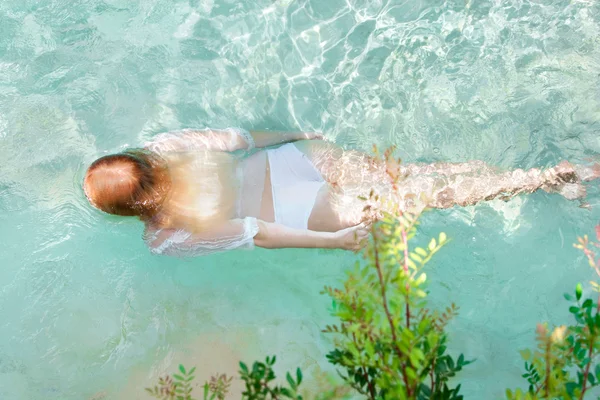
{"points": [[131, 183]]}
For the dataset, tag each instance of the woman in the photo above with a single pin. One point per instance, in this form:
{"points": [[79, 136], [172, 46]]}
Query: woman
{"points": [[198, 195]]}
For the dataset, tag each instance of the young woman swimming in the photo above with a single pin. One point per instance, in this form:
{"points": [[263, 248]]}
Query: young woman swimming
{"points": [[204, 191]]}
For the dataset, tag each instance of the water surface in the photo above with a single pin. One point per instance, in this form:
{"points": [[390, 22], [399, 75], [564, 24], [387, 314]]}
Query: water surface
{"points": [[87, 312]]}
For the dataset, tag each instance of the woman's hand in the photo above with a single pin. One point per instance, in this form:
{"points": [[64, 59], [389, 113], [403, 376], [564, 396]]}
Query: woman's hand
{"points": [[310, 136], [272, 138], [353, 238]]}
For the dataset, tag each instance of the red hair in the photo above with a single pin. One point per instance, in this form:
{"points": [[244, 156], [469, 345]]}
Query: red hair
{"points": [[132, 183]]}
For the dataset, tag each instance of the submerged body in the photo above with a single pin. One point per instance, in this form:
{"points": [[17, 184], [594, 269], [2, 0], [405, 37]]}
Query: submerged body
{"points": [[215, 190]]}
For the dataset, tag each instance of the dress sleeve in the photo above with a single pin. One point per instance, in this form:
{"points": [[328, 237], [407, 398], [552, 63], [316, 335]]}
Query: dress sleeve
{"points": [[230, 139], [234, 234]]}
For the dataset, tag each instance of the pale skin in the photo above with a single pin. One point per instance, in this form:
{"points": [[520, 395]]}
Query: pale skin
{"points": [[337, 220], [272, 235]]}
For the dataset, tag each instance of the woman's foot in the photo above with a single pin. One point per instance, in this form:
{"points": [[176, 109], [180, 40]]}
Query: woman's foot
{"points": [[588, 172], [566, 179]]}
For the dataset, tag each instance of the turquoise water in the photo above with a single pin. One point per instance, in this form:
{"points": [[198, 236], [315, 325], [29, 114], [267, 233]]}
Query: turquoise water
{"points": [[87, 312]]}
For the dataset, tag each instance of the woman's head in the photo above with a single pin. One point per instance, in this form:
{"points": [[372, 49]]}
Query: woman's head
{"points": [[131, 183]]}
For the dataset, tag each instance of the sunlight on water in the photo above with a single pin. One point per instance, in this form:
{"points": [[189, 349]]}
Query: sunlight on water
{"points": [[89, 313]]}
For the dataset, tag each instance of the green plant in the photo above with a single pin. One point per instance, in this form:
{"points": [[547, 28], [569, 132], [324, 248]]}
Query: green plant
{"points": [[217, 387], [389, 343], [565, 363], [177, 387], [259, 381]]}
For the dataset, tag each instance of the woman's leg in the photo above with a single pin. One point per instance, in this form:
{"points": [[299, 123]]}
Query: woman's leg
{"points": [[463, 189], [354, 166], [336, 165], [351, 174]]}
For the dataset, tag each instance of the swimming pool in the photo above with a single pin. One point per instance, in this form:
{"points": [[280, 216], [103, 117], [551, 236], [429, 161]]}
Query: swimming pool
{"points": [[87, 312]]}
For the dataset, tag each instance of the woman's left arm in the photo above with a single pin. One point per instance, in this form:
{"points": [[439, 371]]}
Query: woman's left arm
{"points": [[231, 139], [270, 138]]}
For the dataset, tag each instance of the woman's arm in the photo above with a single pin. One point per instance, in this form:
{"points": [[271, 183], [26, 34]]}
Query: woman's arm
{"points": [[277, 236], [247, 233], [266, 139], [231, 139]]}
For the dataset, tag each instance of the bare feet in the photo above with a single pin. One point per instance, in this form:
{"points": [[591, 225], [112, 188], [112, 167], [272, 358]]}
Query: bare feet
{"points": [[566, 179], [588, 173]]}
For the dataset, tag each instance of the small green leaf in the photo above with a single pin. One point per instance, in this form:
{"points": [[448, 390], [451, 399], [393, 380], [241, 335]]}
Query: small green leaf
{"points": [[526, 354], [574, 310], [420, 251], [450, 363], [411, 373], [587, 303], [432, 339], [416, 257], [432, 245], [243, 367], [178, 377], [299, 376], [578, 291], [182, 369], [571, 387], [421, 279], [568, 297], [191, 371], [442, 237], [290, 380]]}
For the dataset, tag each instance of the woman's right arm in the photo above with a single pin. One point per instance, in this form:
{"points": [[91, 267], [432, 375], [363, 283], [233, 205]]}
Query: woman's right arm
{"points": [[247, 233], [277, 236]]}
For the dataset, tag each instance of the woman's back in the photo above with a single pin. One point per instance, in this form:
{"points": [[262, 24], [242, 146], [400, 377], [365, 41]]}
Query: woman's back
{"points": [[210, 187], [215, 197]]}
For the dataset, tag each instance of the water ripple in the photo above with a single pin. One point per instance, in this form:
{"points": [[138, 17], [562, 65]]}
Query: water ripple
{"points": [[514, 83]]}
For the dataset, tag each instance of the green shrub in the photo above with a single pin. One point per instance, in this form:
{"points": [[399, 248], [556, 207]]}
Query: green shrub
{"points": [[565, 363], [389, 344], [177, 387], [258, 384]]}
